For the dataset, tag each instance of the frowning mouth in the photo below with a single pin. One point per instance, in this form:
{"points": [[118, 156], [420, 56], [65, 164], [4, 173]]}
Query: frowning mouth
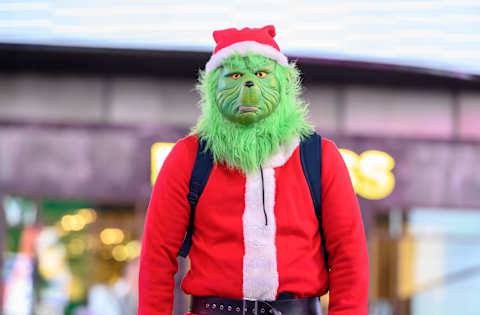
{"points": [[247, 108]]}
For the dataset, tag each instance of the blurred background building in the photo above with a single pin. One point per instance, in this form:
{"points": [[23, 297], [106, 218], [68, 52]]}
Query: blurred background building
{"points": [[92, 95]]}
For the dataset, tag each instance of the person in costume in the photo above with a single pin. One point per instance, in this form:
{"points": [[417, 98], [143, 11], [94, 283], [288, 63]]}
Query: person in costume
{"points": [[256, 243]]}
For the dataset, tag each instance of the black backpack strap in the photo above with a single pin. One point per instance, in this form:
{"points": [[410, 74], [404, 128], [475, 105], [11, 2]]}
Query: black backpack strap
{"points": [[198, 179], [311, 157]]}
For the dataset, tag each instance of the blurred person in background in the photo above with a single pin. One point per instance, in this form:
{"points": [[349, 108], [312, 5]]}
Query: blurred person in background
{"points": [[257, 245]]}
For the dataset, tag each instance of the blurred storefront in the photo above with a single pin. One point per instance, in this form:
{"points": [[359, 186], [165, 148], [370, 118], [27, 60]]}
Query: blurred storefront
{"points": [[425, 261], [74, 199], [59, 253], [423, 236]]}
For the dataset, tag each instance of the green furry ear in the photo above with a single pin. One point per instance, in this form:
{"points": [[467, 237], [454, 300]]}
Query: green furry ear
{"points": [[247, 147]]}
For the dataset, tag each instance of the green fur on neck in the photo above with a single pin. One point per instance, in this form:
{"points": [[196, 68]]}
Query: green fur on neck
{"points": [[246, 147]]}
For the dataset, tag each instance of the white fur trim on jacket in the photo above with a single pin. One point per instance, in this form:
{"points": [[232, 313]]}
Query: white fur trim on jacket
{"points": [[260, 273], [283, 154], [242, 48]]}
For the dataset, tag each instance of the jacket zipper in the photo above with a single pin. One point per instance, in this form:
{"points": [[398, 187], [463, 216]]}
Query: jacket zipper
{"points": [[263, 196]]}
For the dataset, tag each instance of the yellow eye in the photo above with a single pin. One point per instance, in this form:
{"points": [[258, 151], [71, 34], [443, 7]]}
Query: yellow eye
{"points": [[235, 76], [261, 74]]}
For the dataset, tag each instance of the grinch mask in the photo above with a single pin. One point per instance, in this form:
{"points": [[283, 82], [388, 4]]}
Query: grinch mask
{"points": [[248, 90], [244, 124]]}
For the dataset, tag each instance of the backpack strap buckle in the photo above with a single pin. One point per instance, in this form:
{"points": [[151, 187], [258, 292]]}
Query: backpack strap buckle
{"points": [[192, 198]]}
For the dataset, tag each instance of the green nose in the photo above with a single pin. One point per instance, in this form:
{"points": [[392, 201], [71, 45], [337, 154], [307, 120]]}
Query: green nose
{"points": [[251, 94]]}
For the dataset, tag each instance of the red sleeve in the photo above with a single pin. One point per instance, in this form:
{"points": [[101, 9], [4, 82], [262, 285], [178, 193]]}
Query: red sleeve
{"points": [[165, 226], [344, 237]]}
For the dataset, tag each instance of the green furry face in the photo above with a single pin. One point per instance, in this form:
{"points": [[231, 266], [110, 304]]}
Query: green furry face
{"points": [[246, 140], [248, 90]]}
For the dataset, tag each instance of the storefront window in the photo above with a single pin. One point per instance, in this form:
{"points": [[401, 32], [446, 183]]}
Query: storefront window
{"points": [[446, 263], [425, 261], [65, 257]]}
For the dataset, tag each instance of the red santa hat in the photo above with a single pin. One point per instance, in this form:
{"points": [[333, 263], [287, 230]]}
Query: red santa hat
{"points": [[256, 40]]}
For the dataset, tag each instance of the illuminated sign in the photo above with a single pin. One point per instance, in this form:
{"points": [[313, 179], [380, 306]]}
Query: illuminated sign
{"points": [[370, 171], [158, 154]]}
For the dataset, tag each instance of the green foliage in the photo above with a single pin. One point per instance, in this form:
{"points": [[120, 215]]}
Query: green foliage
{"points": [[247, 146]]}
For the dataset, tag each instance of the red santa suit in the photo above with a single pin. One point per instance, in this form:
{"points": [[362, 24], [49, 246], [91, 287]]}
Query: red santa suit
{"points": [[238, 251]]}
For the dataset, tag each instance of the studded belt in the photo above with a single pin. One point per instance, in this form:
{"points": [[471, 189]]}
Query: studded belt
{"points": [[210, 305]]}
